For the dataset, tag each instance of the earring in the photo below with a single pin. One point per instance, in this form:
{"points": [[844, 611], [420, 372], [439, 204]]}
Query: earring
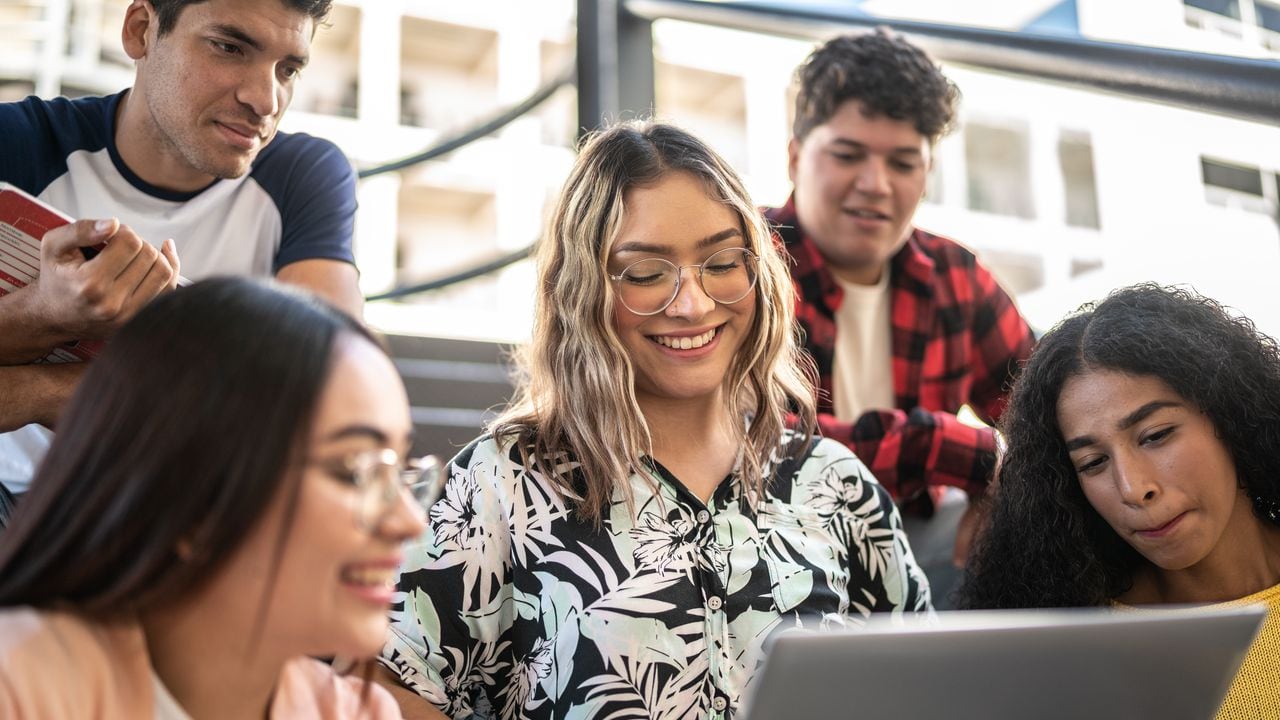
{"points": [[185, 551], [1267, 508]]}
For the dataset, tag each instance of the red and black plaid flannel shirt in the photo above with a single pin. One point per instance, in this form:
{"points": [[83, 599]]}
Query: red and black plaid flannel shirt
{"points": [[957, 339]]}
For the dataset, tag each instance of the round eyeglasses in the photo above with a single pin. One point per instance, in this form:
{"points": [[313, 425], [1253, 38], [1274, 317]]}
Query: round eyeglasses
{"points": [[647, 287], [380, 477]]}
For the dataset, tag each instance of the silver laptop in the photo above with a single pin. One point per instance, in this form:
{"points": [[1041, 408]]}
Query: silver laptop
{"points": [[1043, 665]]}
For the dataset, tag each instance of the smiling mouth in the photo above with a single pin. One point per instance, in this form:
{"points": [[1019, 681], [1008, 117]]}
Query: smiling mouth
{"points": [[371, 577], [249, 135], [866, 214], [685, 342]]}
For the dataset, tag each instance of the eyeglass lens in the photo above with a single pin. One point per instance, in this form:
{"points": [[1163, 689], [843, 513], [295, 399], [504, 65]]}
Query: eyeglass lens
{"points": [[382, 479], [647, 286]]}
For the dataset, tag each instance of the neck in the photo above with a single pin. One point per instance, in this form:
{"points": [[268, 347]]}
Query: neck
{"points": [[148, 153], [859, 275], [694, 439], [214, 666]]}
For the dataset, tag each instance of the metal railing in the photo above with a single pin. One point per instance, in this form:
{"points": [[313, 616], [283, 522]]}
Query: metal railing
{"points": [[1241, 87], [614, 71], [487, 127]]}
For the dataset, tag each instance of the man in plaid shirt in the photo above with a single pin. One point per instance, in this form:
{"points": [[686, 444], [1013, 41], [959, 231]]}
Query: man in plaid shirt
{"points": [[906, 327]]}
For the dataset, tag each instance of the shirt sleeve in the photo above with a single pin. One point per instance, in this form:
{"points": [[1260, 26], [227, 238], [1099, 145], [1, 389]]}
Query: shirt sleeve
{"points": [[21, 157], [1002, 342], [36, 136], [912, 450], [314, 186], [453, 612], [884, 576], [908, 451]]}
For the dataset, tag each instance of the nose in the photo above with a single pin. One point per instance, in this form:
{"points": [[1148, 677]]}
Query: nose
{"points": [[872, 178], [260, 91], [691, 301], [1136, 481], [405, 519]]}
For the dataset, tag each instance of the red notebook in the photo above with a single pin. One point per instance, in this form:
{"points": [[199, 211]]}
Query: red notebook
{"points": [[24, 220]]}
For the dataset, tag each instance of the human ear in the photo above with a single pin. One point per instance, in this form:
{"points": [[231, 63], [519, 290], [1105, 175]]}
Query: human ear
{"points": [[793, 157], [135, 35]]}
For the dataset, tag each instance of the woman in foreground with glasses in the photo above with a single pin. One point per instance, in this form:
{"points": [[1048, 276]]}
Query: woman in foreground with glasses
{"points": [[224, 497], [630, 531], [1143, 468]]}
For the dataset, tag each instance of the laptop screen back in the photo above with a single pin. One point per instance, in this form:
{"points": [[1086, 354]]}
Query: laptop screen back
{"points": [[1069, 664]]}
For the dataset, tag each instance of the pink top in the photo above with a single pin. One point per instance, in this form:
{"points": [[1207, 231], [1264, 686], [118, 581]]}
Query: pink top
{"points": [[58, 665]]}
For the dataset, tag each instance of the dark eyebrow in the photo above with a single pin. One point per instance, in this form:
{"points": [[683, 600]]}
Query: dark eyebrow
{"points": [[708, 241], [1080, 442], [1126, 422], [234, 33], [1138, 415], [855, 145], [349, 431]]}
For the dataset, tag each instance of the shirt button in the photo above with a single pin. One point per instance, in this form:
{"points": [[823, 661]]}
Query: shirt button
{"points": [[715, 603], [704, 517], [719, 704]]}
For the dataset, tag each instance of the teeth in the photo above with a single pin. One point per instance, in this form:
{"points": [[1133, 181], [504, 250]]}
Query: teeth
{"points": [[370, 576], [686, 342], [868, 214]]}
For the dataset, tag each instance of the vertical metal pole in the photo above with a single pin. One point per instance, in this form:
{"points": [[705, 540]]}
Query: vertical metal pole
{"points": [[615, 64], [635, 54]]}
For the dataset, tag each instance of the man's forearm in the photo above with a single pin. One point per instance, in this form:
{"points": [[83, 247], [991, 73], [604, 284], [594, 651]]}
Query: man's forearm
{"points": [[24, 336], [36, 393]]}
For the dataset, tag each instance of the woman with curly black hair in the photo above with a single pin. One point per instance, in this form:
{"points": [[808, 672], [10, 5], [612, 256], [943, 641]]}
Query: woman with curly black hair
{"points": [[1143, 467]]}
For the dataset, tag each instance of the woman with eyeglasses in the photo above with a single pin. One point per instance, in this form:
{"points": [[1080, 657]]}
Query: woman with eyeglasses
{"points": [[626, 536], [225, 497]]}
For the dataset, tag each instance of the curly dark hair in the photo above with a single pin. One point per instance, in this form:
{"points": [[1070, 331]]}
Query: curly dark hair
{"points": [[1044, 545], [167, 11], [884, 72]]}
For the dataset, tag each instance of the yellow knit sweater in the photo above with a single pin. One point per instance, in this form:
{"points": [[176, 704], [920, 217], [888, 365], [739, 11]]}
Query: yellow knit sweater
{"points": [[1255, 693]]}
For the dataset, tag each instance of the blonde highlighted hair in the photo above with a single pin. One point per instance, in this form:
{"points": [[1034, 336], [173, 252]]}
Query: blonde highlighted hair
{"points": [[577, 392]]}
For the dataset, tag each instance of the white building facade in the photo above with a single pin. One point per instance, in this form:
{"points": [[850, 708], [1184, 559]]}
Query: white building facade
{"points": [[1063, 191]]}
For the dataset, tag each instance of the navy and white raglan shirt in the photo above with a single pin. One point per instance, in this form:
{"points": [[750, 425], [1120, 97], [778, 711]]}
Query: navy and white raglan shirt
{"points": [[296, 203]]}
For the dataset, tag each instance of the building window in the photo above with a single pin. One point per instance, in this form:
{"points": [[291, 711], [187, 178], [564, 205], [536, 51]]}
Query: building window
{"points": [[998, 164], [1234, 185], [1229, 176], [1269, 21], [1268, 16], [1079, 187], [934, 192], [1227, 8], [1255, 21]]}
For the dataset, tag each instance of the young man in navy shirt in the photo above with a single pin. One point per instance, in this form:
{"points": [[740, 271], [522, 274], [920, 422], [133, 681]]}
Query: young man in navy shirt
{"points": [[185, 164]]}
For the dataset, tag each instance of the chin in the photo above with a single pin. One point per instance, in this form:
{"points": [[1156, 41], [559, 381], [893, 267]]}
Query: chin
{"points": [[683, 391], [222, 164], [232, 171], [364, 641]]}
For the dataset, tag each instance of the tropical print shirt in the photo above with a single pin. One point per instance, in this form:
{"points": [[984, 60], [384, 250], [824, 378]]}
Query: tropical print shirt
{"points": [[956, 338], [509, 606]]}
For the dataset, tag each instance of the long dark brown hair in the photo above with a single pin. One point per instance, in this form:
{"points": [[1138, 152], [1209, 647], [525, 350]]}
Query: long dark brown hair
{"points": [[1044, 544], [177, 439]]}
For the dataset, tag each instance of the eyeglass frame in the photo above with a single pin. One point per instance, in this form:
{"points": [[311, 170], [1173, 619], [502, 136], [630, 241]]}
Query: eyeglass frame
{"points": [[755, 278], [427, 471]]}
